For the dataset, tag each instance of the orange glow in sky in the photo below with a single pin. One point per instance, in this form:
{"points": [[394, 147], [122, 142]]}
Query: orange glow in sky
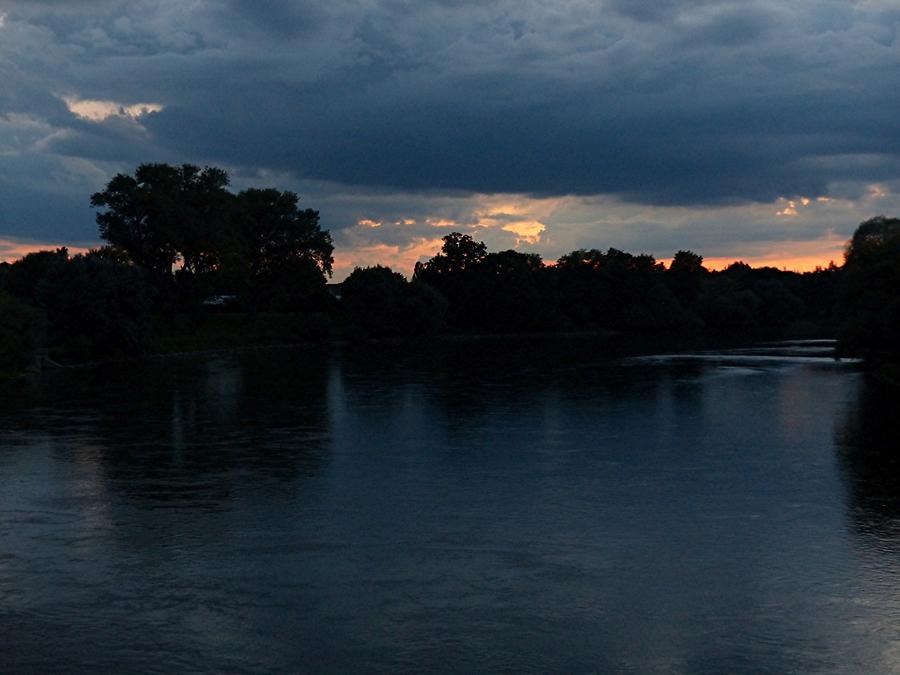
{"points": [[802, 256], [11, 251], [399, 259], [792, 264], [797, 256]]}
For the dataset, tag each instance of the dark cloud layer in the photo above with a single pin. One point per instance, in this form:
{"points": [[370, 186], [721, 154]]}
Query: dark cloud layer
{"points": [[675, 102]]}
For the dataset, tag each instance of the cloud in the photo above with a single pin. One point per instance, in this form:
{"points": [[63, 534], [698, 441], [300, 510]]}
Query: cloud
{"points": [[623, 113], [100, 111], [718, 105]]}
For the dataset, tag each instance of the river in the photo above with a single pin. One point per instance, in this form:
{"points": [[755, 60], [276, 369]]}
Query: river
{"points": [[485, 506]]}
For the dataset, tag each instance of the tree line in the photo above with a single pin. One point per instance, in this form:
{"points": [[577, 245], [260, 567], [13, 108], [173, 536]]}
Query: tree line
{"points": [[183, 253]]}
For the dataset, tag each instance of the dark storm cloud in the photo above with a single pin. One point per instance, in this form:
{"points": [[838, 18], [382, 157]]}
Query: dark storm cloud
{"points": [[678, 102], [281, 18]]}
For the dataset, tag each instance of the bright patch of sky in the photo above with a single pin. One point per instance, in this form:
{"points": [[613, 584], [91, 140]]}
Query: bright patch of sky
{"points": [[99, 111]]}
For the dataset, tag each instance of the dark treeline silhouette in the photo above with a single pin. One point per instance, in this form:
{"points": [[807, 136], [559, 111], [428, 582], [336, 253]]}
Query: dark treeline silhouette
{"points": [[194, 238], [616, 291], [189, 264], [179, 245]]}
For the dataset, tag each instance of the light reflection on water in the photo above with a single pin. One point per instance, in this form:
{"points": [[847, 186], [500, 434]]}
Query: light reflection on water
{"points": [[527, 506]]}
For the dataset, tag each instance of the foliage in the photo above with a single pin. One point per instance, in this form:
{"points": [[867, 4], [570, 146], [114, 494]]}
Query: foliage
{"points": [[165, 214], [176, 235], [20, 328], [94, 306], [381, 303], [869, 294], [614, 290], [274, 231], [488, 292], [197, 239], [26, 277], [687, 262], [609, 290], [293, 284], [283, 253]]}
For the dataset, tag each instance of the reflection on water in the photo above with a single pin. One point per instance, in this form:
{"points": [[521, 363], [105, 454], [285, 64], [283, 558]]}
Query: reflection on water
{"points": [[869, 445], [527, 506]]}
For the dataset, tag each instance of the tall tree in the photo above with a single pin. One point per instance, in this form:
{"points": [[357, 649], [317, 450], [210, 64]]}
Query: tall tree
{"points": [[869, 293], [164, 215], [274, 231], [284, 254]]}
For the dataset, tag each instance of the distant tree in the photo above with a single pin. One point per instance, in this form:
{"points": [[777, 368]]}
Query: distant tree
{"points": [[292, 285], [818, 292], [26, 276], [198, 239], [425, 309], [381, 303], [687, 261], [459, 252], [869, 293], [489, 292], [686, 275], [515, 294], [728, 309], [165, 214], [610, 290], [779, 307], [283, 254], [20, 334], [97, 307], [454, 273], [275, 230], [112, 254], [738, 268]]}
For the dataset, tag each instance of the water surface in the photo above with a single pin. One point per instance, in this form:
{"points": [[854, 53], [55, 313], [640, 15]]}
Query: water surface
{"points": [[480, 507]]}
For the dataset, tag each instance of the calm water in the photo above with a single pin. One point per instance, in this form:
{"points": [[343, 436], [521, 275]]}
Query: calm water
{"points": [[484, 507]]}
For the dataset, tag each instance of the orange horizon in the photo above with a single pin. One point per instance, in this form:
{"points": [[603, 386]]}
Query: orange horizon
{"points": [[10, 251], [793, 264]]}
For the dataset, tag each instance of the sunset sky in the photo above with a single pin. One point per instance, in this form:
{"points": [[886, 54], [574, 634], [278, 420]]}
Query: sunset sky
{"points": [[760, 130]]}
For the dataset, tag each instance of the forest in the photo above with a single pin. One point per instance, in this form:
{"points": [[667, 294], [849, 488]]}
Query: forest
{"points": [[190, 265]]}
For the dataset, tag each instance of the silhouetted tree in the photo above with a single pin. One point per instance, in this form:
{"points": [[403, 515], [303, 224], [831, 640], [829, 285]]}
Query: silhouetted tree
{"points": [[274, 230], [294, 284], [452, 272], [20, 334], [458, 253], [97, 307], [686, 275], [198, 239], [612, 290], [26, 277], [818, 292], [283, 254], [94, 306], [165, 214], [516, 294], [687, 261], [381, 303], [869, 295]]}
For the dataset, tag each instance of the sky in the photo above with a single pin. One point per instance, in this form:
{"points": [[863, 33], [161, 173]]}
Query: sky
{"points": [[760, 130]]}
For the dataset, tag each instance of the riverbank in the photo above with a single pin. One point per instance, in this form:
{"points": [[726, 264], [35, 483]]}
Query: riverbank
{"points": [[235, 333]]}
